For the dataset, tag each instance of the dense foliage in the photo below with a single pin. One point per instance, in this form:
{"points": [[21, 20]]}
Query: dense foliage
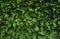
{"points": [[30, 19]]}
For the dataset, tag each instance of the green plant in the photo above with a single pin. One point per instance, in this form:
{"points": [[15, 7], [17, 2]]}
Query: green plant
{"points": [[29, 19]]}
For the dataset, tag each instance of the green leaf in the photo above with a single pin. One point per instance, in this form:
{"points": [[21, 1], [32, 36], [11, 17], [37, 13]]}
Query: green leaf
{"points": [[18, 1], [58, 0], [36, 28]]}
